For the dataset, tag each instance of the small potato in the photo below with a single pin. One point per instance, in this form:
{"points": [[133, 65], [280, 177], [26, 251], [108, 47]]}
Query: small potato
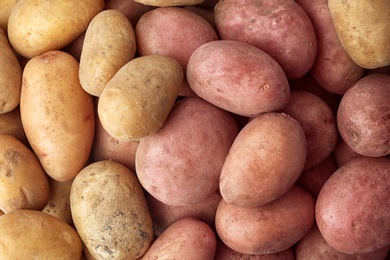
{"points": [[363, 117], [23, 182], [36, 27], [109, 44], [167, 3], [237, 77], [264, 161], [110, 212], [31, 234], [267, 229], [10, 76], [58, 121], [363, 28], [187, 238], [137, 100], [180, 164], [352, 208], [11, 124]]}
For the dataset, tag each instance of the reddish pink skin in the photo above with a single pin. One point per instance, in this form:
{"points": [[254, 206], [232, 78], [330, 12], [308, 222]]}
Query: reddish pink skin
{"points": [[353, 210]]}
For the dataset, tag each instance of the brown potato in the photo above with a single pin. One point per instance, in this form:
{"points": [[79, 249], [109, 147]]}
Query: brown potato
{"points": [[11, 124]]}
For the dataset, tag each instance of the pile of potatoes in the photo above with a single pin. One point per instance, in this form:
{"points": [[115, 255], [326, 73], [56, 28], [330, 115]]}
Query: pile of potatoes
{"points": [[194, 129]]}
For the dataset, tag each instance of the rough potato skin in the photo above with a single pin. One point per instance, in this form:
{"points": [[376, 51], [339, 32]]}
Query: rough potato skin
{"points": [[352, 209]]}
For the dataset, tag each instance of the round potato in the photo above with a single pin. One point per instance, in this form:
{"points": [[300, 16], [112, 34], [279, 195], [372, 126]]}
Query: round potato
{"points": [[237, 77], [110, 212], [352, 209], [270, 148], [343, 153], [31, 234]]}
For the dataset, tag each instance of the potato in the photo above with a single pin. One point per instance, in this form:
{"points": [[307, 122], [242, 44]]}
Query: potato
{"points": [[31, 234], [163, 215], [333, 69], [281, 28], [5, 10], [181, 163], [58, 121], [363, 117], [267, 229], [110, 212], [343, 153], [138, 98], [270, 148], [318, 123], [314, 246], [186, 238], [352, 209], [167, 3], [11, 124], [23, 182], [10, 76], [108, 45], [36, 27], [59, 204], [363, 28], [237, 77]]}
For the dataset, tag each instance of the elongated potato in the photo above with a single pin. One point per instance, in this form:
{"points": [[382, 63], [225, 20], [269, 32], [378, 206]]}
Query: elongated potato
{"points": [[57, 114], [35, 26], [32, 234], [137, 100], [109, 44]]}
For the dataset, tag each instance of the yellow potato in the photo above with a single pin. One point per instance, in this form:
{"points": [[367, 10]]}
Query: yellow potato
{"points": [[10, 76], [57, 114], [163, 3], [23, 183], [110, 212], [31, 234], [137, 100], [109, 44], [5, 10], [11, 124], [35, 26]]}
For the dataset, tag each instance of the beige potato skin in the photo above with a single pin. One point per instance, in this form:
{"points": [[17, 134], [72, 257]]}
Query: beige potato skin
{"points": [[36, 26], [57, 114], [10, 76], [5, 10], [23, 183], [109, 44], [31, 234], [363, 28], [110, 212]]}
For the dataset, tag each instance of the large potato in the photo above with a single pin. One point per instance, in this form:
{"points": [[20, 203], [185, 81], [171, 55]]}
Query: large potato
{"points": [[31, 234], [137, 100], [110, 212], [352, 209], [57, 114], [35, 26], [181, 163], [109, 44], [23, 182], [363, 28], [237, 77], [264, 161]]}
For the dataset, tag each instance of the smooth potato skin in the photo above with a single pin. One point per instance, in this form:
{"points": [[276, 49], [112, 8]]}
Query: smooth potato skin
{"points": [[58, 121], [352, 209], [11, 123], [5, 10]]}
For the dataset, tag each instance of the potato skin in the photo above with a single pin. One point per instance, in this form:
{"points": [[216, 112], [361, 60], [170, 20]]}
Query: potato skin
{"points": [[261, 151], [11, 124], [47, 237], [58, 122], [187, 238], [23, 182], [168, 3], [363, 117], [237, 77], [110, 212], [267, 229], [352, 209], [36, 27]]}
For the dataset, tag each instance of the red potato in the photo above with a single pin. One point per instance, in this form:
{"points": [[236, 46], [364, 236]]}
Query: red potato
{"points": [[181, 163], [187, 238], [353, 210], [343, 153], [237, 77], [281, 28], [363, 117], [267, 229], [333, 68]]}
